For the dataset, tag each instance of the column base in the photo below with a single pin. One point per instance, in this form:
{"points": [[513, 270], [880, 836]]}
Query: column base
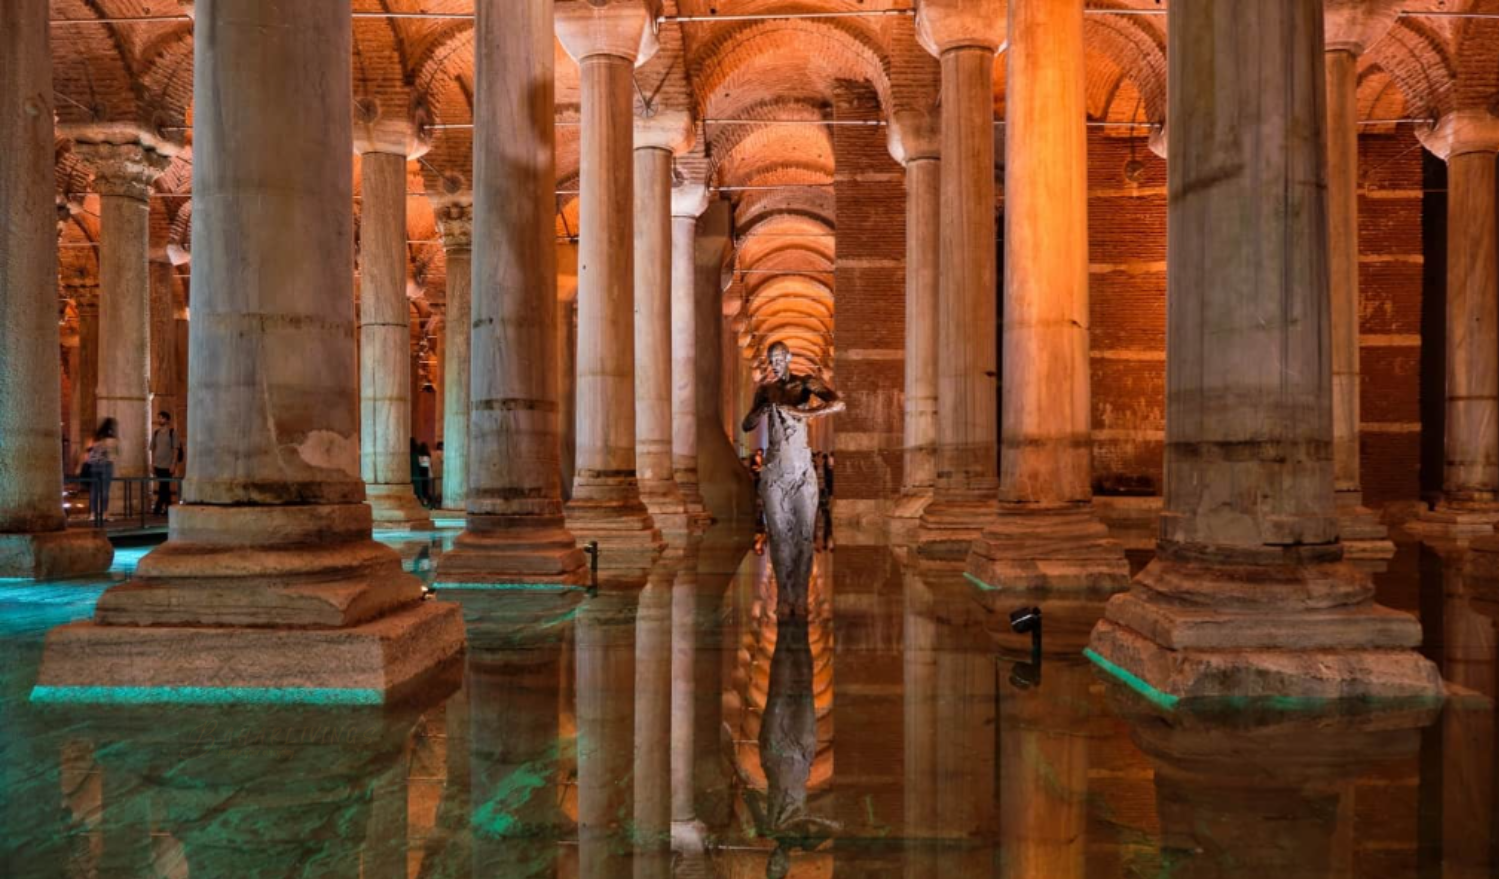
{"points": [[55, 555], [667, 508], [903, 522], [1456, 520], [1213, 623], [692, 496], [628, 538], [1363, 536], [1055, 549], [291, 603], [505, 550], [949, 527], [395, 507]]}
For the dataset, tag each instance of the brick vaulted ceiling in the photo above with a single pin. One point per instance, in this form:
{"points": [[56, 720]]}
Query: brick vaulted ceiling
{"points": [[761, 91]]}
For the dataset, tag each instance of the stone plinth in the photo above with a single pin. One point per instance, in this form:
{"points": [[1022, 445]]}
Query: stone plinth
{"points": [[32, 540]]}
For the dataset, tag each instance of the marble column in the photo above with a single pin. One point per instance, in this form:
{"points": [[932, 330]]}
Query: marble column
{"points": [[455, 221], [1047, 535], [1468, 141], [163, 367], [269, 585], [607, 41], [659, 138], [88, 367], [33, 542], [688, 202], [915, 142], [965, 35], [123, 174], [1249, 593], [514, 530], [384, 145], [1351, 26]]}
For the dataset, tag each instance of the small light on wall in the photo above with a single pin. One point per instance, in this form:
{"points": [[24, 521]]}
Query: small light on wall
{"points": [[1134, 170]]}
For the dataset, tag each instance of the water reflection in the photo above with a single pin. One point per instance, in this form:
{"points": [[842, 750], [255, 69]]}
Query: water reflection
{"points": [[677, 727]]}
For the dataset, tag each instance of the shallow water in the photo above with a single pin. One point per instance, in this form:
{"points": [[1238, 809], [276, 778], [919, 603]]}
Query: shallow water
{"points": [[899, 731]]}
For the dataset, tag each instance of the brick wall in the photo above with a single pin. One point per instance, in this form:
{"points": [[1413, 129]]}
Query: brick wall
{"points": [[869, 323]]}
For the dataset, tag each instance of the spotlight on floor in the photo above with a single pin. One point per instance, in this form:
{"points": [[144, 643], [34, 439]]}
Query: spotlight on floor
{"points": [[1025, 675]]}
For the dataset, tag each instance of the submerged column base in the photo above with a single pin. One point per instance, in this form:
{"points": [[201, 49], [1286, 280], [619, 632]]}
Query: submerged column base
{"points": [[1363, 536], [55, 555], [494, 550], [1456, 520], [949, 527], [613, 516], [257, 604], [667, 507], [395, 507], [1203, 623], [903, 522], [692, 495], [1052, 549]]}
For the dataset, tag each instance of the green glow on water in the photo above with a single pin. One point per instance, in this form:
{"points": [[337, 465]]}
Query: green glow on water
{"points": [[1156, 697], [455, 586], [980, 583], [206, 695]]}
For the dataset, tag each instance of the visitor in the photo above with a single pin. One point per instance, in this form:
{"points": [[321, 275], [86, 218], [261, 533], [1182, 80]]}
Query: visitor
{"points": [[164, 456], [422, 475], [437, 457], [99, 467]]}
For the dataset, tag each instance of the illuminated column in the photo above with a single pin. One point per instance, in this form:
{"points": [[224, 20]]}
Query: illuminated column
{"points": [[514, 530], [658, 139], [455, 222], [33, 542], [385, 145], [965, 35], [123, 174], [688, 202], [1351, 26], [1249, 592], [915, 142], [269, 586], [607, 42], [1468, 140], [1048, 535]]}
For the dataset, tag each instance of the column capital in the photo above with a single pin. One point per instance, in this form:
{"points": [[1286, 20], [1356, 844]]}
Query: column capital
{"points": [[671, 130], [942, 25], [622, 29], [455, 221], [1460, 132], [914, 135], [1354, 25], [689, 200], [379, 129], [126, 170]]}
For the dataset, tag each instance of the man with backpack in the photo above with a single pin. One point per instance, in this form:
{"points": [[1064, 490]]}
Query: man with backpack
{"points": [[165, 453]]}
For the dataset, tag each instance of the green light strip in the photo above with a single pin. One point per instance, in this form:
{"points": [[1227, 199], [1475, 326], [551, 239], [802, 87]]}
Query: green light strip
{"points": [[980, 583], [207, 695], [1156, 697], [559, 588]]}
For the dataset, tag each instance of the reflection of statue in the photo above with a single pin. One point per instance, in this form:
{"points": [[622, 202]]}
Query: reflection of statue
{"points": [[788, 483], [788, 746]]}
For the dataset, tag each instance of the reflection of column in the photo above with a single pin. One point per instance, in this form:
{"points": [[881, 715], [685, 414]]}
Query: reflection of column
{"points": [[123, 177], [915, 143], [455, 220], [386, 431], [1468, 140], [606, 506], [688, 202], [1470, 650], [273, 472], [653, 725], [949, 730], [1351, 26], [514, 529], [32, 540], [1048, 535], [965, 34], [686, 830], [605, 654], [657, 139], [1248, 542]]}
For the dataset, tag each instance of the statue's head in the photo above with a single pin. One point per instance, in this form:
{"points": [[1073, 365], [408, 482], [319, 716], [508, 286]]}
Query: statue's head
{"points": [[780, 360]]}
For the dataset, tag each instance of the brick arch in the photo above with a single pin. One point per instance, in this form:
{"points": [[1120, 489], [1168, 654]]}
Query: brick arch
{"points": [[1130, 47], [94, 66], [1476, 59], [1415, 56], [739, 66]]}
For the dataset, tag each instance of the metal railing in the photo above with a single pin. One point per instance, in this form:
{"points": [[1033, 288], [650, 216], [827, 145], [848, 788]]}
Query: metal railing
{"points": [[137, 496]]}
